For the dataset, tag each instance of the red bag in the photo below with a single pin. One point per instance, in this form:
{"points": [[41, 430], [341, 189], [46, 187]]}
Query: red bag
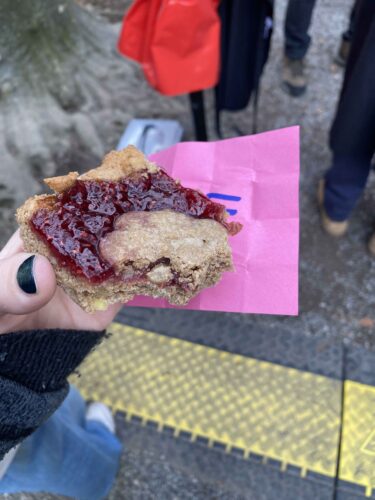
{"points": [[177, 42]]}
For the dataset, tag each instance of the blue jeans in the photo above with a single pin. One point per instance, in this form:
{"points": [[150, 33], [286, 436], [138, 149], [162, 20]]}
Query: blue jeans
{"points": [[67, 456]]}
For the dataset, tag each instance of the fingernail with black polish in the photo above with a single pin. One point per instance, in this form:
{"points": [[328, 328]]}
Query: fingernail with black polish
{"points": [[25, 275]]}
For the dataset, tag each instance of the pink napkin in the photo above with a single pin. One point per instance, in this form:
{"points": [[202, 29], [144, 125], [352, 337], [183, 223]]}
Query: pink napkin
{"points": [[257, 179]]}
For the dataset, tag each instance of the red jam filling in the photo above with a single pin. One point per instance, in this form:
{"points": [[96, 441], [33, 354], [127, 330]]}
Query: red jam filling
{"points": [[86, 212]]}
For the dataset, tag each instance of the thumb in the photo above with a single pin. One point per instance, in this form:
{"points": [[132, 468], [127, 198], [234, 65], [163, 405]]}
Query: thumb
{"points": [[27, 283]]}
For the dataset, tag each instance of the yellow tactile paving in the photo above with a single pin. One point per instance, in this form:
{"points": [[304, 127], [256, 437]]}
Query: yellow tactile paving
{"points": [[278, 412], [357, 463]]}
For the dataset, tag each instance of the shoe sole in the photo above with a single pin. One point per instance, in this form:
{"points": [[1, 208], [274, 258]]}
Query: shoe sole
{"points": [[292, 90]]}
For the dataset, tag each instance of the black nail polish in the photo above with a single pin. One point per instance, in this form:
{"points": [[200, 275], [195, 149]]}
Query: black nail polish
{"points": [[25, 275]]}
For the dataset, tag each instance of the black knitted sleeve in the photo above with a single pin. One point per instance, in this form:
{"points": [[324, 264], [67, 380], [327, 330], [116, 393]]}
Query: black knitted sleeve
{"points": [[34, 366]]}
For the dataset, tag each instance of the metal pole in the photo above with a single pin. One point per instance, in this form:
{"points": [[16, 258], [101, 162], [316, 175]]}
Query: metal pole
{"points": [[197, 109]]}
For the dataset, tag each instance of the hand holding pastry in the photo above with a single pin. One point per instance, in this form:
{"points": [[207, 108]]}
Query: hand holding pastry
{"points": [[127, 228], [29, 298]]}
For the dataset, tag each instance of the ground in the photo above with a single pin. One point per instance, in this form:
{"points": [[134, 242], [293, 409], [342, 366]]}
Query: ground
{"points": [[337, 286]]}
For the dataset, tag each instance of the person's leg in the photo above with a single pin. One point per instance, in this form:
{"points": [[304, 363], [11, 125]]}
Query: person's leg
{"points": [[297, 41], [297, 22], [353, 131], [68, 455]]}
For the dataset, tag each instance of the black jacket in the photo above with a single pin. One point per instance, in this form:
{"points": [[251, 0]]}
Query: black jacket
{"points": [[34, 366]]}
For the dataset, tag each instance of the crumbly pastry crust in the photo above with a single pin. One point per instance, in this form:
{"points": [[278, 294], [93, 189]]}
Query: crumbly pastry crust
{"points": [[162, 254]]}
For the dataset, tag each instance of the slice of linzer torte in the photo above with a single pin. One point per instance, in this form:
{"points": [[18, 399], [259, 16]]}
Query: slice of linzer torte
{"points": [[127, 228]]}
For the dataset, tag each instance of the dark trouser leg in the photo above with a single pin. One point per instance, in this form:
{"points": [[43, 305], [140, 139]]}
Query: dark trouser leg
{"points": [[348, 34], [353, 130], [297, 23]]}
